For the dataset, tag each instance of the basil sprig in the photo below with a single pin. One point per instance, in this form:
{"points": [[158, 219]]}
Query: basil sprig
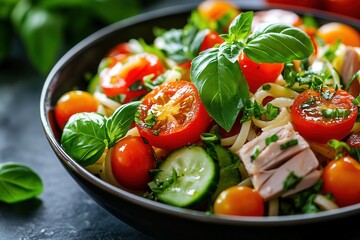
{"points": [[86, 135], [18, 183], [216, 72]]}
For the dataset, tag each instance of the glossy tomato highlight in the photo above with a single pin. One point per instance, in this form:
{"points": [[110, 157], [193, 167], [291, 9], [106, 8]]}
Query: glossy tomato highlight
{"points": [[172, 115]]}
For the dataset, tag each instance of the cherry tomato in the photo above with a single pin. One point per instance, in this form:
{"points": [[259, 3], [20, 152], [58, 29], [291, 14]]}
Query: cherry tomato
{"points": [[333, 31], [213, 10], [73, 102], [257, 74], [354, 140], [121, 48], [172, 115], [126, 76], [341, 178], [131, 161], [301, 3], [239, 201], [276, 16], [319, 119], [211, 39]]}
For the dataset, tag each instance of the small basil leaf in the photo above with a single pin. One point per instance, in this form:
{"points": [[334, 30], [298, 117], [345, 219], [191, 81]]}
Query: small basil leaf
{"points": [[231, 51], [18, 182], [240, 27], [119, 123], [221, 86], [85, 137], [278, 43]]}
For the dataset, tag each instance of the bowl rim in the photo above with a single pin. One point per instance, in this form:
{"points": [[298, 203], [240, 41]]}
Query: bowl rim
{"points": [[45, 106]]}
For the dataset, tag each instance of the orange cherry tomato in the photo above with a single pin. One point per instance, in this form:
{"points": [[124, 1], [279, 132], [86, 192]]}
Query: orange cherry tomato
{"points": [[341, 178], [239, 201], [131, 161], [333, 31], [172, 115], [214, 10], [211, 39], [126, 76], [320, 119], [73, 102], [257, 74]]}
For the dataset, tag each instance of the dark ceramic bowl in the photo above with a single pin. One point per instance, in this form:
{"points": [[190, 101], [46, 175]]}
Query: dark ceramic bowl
{"points": [[153, 218]]}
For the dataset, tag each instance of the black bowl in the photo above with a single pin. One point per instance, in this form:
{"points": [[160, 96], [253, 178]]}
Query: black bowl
{"points": [[153, 218]]}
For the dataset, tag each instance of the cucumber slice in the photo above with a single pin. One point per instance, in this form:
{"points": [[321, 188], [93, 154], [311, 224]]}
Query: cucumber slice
{"points": [[187, 177]]}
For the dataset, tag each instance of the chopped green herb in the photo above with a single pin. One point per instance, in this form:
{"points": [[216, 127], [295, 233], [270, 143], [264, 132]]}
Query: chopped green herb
{"points": [[308, 103], [335, 113], [266, 87], [255, 153], [291, 181], [271, 139], [271, 112], [150, 120], [327, 94], [357, 100], [288, 144]]}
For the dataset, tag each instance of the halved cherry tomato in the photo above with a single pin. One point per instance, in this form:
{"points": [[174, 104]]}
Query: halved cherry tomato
{"points": [[211, 39], [276, 16], [126, 76], [215, 10], [131, 161], [341, 178], [73, 102], [257, 74], [172, 115], [239, 201], [321, 116], [333, 31]]}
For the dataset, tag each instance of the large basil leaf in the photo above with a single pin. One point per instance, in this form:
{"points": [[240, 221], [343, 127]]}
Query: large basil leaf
{"points": [[240, 27], [18, 182], [85, 137], [119, 123], [278, 43], [221, 85]]}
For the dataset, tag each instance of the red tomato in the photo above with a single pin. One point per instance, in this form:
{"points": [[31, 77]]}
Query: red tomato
{"points": [[354, 140], [239, 201], [314, 124], [122, 77], [172, 115], [276, 16], [121, 48], [131, 161], [348, 8], [341, 178], [301, 3], [73, 102], [211, 39], [257, 74], [333, 31]]}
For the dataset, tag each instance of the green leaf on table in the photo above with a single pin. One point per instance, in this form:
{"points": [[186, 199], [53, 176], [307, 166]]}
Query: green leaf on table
{"points": [[42, 34], [221, 85], [278, 43], [119, 123], [18, 183], [84, 137]]}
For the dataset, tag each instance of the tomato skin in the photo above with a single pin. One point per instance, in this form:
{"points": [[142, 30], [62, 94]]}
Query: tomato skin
{"points": [[257, 74], [333, 31], [73, 102], [341, 178], [239, 201], [121, 48], [180, 115], [348, 8], [131, 161], [215, 10], [312, 125], [118, 77], [211, 39]]}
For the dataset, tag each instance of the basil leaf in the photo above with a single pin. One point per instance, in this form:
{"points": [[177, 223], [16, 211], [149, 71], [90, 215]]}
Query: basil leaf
{"points": [[221, 85], [85, 137], [18, 182], [119, 123], [231, 51], [240, 27], [278, 43]]}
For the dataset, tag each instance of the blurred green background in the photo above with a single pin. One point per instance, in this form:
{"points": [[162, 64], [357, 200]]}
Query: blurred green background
{"points": [[45, 29]]}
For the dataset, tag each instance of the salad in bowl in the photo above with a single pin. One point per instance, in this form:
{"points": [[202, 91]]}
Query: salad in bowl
{"points": [[238, 113]]}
